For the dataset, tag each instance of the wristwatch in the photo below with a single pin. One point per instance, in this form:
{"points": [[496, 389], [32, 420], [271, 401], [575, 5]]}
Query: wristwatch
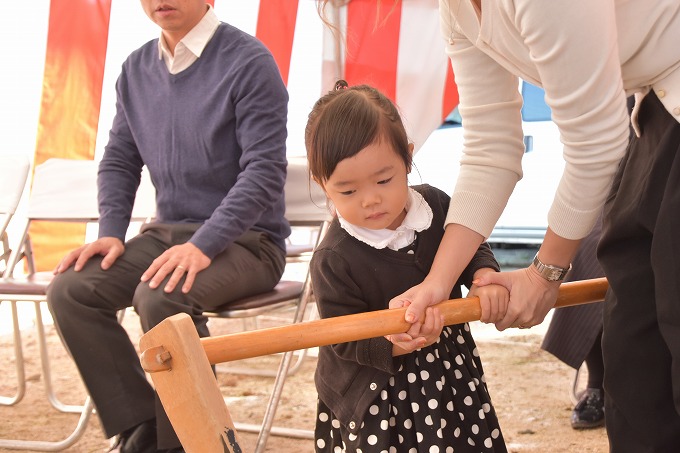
{"points": [[550, 272]]}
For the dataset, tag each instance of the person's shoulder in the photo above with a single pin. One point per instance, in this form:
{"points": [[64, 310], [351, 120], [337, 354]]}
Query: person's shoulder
{"points": [[437, 199], [334, 238], [237, 53], [338, 243], [233, 38], [142, 51], [340, 254], [431, 193]]}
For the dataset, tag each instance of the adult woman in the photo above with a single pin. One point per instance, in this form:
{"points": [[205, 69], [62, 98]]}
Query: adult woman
{"points": [[588, 56]]}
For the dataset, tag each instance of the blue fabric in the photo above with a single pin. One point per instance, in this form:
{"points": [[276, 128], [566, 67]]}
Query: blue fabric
{"points": [[534, 108], [212, 136]]}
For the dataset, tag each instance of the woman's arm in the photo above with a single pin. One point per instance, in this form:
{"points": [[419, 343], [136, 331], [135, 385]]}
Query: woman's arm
{"points": [[446, 269], [588, 105]]}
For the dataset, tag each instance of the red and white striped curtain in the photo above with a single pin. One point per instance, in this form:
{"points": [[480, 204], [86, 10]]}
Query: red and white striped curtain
{"points": [[75, 54], [396, 47]]}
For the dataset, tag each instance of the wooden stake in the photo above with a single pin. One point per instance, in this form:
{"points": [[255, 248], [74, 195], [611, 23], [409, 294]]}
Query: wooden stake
{"points": [[187, 387]]}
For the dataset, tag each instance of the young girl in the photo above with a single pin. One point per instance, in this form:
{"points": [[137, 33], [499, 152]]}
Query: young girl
{"points": [[424, 395]]}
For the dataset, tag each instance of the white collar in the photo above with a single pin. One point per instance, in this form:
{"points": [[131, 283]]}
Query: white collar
{"points": [[418, 218], [197, 38]]}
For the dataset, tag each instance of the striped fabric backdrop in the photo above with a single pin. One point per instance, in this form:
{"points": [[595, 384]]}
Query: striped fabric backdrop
{"points": [[59, 100], [397, 48]]}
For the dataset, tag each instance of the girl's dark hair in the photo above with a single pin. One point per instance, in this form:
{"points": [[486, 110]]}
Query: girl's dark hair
{"points": [[347, 120]]}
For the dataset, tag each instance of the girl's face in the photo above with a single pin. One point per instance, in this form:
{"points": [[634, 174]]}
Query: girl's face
{"points": [[370, 189]]}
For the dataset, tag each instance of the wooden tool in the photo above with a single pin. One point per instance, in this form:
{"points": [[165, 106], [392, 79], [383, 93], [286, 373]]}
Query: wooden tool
{"points": [[179, 361]]}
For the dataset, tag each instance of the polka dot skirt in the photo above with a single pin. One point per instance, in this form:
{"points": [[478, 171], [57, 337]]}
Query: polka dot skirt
{"points": [[436, 403]]}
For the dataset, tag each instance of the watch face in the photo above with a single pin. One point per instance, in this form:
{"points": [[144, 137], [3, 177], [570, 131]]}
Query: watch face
{"points": [[554, 274]]}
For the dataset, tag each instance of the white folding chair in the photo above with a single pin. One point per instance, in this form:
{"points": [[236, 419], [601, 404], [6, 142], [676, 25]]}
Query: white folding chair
{"points": [[63, 190], [305, 208], [13, 174]]}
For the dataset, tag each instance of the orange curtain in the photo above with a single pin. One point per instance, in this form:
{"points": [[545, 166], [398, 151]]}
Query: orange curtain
{"points": [[69, 110], [450, 100], [378, 43], [373, 44], [276, 29]]}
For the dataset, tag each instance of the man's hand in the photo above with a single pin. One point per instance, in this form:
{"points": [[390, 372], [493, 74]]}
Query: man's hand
{"points": [[176, 261], [109, 247]]}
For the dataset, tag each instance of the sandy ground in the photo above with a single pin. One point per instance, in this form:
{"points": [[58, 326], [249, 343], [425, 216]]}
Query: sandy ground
{"points": [[529, 387]]}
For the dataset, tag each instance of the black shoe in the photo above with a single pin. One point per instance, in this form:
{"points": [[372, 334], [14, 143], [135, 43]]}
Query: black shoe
{"points": [[138, 439], [589, 411]]}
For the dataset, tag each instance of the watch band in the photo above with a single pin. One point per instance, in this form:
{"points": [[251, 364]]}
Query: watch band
{"points": [[550, 272]]}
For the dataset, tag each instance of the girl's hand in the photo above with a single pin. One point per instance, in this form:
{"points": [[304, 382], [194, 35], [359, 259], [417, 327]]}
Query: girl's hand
{"points": [[432, 326], [418, 299], [531, 296], [494, 301], [455, 251], [430, 330]]}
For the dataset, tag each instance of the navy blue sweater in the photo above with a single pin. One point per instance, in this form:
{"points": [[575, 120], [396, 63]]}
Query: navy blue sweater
{"points": [[212, 136]]}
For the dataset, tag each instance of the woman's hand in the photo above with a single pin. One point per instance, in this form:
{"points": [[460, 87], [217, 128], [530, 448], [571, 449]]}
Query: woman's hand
{"points": [[531, 296]]}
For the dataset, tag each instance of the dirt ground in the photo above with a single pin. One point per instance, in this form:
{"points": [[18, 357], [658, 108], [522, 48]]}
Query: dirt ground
{"points": [[529, 387]]}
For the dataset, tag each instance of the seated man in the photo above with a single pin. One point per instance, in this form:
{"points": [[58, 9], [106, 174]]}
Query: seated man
{"points": [[205, 109]]}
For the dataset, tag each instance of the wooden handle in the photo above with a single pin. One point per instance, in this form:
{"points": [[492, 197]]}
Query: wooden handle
{"points": [[254, 343]]}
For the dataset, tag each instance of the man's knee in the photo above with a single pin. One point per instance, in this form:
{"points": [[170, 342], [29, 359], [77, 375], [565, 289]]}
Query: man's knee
{"points": [[154, 305], [65, 290]]}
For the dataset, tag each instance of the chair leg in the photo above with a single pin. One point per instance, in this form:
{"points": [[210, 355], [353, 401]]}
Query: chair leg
{"points": [[45, 363], [36, 445], [19, 357], [46, 370], [268, 422], [301, 356], [574, 394], [85, 410], [267, 426]]}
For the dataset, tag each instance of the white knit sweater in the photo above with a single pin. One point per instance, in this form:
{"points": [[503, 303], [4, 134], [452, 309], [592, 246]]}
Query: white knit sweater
{"points": [[588, 56]]}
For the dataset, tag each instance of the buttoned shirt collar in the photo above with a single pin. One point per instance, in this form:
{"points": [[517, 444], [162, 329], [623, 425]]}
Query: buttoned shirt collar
{"points": [[189, 48]]}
